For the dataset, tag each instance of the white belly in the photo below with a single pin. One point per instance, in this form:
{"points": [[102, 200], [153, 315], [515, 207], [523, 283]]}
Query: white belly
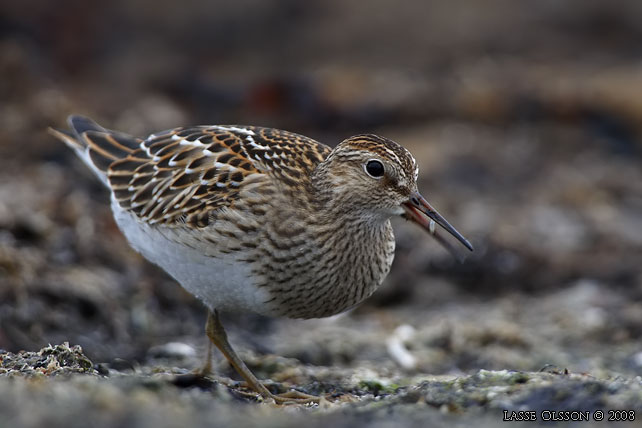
{"points": [[221, 282]]}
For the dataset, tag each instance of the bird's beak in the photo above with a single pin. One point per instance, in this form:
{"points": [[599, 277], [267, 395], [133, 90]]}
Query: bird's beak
{"points": [[417, 206]]}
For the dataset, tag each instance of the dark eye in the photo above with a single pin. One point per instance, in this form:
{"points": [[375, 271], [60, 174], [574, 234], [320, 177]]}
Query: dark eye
{"points": [[374, 168]]}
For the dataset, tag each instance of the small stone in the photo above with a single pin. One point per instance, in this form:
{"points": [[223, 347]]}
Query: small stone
{"points": [[172, 350]]}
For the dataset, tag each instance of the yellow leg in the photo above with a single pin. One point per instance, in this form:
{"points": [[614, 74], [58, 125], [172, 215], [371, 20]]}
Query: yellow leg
{"points": [[206, 370], [217, 335]]}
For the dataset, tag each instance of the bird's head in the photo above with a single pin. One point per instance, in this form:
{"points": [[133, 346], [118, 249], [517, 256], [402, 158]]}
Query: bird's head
{"points": [[377, 178]]}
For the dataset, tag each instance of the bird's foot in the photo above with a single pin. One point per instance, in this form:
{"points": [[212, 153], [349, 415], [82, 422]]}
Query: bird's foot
{"points": [[289, 397], [295, 397]]}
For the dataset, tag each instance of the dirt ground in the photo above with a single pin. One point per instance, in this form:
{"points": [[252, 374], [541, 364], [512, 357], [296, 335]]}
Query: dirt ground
{"points": [[526, 124]]}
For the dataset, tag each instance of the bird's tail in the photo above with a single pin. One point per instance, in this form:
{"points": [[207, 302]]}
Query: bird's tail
{"points": [[96, 146]]}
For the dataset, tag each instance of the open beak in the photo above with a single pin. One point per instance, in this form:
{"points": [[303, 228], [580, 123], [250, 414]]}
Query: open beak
{"points": [[417, 208]]}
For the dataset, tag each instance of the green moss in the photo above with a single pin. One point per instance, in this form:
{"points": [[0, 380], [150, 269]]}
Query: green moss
{"points": [[377, 387]]}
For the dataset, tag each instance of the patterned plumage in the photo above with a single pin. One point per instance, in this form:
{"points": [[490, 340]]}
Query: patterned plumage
{"points": [[184, 174], [257, 219]]}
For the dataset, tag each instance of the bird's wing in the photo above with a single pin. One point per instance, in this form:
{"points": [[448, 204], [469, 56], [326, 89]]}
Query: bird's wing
{"points": [[185, 174]]}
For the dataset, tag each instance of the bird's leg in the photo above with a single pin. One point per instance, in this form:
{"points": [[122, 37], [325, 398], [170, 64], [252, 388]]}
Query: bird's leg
{"points": [[217, 335], [206, 370]]}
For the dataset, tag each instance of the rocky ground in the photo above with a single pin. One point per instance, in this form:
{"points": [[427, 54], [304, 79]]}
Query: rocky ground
{"points": [[526, 125]]}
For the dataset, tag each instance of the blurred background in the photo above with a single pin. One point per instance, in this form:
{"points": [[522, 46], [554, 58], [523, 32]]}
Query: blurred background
{"points": [[525, 119]]}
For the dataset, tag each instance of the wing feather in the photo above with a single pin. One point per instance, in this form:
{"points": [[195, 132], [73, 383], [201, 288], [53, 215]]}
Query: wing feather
{"points": [[184, 175]]}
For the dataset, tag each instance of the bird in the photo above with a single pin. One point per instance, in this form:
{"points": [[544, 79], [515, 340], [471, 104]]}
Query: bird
{"points": [[256, 219]]}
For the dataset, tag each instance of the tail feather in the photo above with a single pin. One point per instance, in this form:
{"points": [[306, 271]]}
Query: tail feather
{"points": [[81, 124], [96, 146], [67, 137]]}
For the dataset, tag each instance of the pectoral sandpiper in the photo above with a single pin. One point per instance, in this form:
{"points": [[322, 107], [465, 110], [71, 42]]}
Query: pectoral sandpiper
{"points": [[257, 219]]}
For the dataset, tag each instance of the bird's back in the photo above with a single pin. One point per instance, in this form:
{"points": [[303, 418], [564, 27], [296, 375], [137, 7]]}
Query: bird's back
{"points": [[184, 175]]}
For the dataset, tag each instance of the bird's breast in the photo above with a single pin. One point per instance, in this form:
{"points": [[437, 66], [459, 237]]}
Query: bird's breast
{"points": [[324, 272]]}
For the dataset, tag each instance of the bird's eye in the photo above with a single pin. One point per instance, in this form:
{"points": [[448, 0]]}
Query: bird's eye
{"points": [[374, 168]]}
